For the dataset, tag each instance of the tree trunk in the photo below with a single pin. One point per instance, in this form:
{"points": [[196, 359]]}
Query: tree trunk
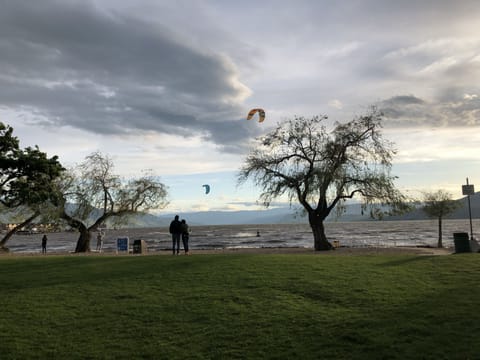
{"points": [[9, 234], [320, 240], [83, 242], [440, 245]]}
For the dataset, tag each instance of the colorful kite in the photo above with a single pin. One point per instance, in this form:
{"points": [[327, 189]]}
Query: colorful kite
{"points": [[261, 114]]}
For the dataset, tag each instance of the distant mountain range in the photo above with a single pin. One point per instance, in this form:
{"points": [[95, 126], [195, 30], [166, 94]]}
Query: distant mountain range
{"points": [[286, 215], [267, 216], [283, 215], [460, 213]]}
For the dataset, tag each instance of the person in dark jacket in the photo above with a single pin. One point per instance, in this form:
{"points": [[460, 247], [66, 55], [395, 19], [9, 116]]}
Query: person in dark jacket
{"points": [[176, 231], [44, 244], [185, 236]]}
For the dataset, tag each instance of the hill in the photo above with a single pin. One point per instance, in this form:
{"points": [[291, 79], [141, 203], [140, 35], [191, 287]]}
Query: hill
{"points": [[281, 215], [268, 216], [353, 212], [460, 213]]}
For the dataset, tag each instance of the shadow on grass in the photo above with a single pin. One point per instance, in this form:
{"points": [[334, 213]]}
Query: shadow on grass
{"points": [[405, 260], [426, 328], [43, 272]]}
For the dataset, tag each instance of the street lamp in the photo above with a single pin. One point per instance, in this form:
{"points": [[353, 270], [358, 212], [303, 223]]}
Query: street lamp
{"points": [[469, 190]]}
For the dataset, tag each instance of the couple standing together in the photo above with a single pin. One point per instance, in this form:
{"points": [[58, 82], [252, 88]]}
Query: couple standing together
{"points": [[179, 229]]}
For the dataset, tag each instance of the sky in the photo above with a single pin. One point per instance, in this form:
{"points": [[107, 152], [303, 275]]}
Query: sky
{"points": [[166, 85]]}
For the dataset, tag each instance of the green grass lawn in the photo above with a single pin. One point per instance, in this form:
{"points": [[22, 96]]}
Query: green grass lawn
{"points": [[240, 306]]}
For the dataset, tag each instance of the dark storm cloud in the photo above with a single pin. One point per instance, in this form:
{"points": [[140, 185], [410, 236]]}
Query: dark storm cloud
{"points": [[455, 108], [73, 64], [401, 101]]}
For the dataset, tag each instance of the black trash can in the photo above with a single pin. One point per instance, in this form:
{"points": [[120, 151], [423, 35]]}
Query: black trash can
{"points": [[139, 247], [462, 242]]}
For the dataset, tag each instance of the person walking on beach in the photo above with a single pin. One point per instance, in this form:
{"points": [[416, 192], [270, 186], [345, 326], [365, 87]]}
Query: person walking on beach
{"points": [[176, 231], [44, 244], [185, 236]]}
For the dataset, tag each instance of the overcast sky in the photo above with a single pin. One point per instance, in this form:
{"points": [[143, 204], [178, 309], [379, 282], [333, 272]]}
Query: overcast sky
{"points": [[166, 85]]}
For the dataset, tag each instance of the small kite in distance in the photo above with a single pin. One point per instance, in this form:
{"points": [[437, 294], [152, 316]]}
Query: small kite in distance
{"points": [[207, 188], [261, 114]]}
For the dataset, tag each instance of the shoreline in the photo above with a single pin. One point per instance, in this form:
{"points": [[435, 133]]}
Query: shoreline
{"points": [[242, 238], [340, 251]]}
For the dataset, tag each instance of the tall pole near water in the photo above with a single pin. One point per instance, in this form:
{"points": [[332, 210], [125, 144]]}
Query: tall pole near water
{"points": [[469, 190]]}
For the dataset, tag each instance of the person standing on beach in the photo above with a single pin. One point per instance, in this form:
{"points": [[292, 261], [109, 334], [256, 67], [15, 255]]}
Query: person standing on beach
{"points": [[100, 241], [185, 236], [44, 244], [176, 231]]}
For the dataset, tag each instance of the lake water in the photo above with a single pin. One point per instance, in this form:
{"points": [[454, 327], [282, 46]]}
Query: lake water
{"points": [[351, 234]]}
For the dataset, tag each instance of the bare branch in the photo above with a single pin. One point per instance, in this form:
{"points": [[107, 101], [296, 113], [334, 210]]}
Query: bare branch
{"points": [[319, 169]]}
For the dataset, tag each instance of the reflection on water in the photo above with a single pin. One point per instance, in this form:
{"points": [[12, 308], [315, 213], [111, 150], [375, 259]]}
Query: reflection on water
{"points": [[352, 234]]}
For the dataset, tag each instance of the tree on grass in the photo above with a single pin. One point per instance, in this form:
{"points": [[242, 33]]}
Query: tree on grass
{"points": [[27, 181], [439, 204], [93, 193], [321, 170]]}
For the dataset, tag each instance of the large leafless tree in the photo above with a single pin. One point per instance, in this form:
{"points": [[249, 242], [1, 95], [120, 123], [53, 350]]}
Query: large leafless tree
{"points": [[93, 193], [321, 169]]}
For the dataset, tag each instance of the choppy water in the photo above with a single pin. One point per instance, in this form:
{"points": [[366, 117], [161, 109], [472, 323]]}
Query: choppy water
{"points": [[352, 234]]}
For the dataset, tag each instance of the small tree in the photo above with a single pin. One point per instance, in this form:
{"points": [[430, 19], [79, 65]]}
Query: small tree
{"points": [[438, 205], [92, 193], [321, 170], [27, 180]]}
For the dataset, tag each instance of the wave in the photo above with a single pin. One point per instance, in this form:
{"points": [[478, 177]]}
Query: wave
{"points": [[351, 234]]}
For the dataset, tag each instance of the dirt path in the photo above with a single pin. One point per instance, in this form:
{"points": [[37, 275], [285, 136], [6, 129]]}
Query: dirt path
{"points": [[342, 251]]}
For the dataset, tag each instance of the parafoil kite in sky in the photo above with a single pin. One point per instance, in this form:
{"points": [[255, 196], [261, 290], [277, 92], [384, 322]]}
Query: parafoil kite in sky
{"points": [[207, 188], [261, 114]]}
